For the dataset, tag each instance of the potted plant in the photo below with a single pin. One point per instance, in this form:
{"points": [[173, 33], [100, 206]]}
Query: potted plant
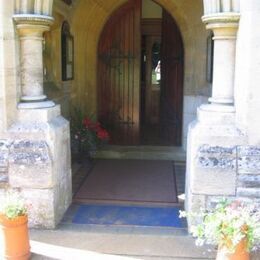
{"points": [[14, 235], [232, 226], [87, 134]]}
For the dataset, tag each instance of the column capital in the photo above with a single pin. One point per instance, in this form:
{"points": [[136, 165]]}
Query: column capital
{"points": [[32, 24], [223, 25], [222, 21]]}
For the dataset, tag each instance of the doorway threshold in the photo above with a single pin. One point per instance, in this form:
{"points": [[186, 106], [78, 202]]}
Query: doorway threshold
{"points": [[142, 152]]}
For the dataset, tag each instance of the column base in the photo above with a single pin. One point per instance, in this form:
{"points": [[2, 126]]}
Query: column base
{"points": [[218, 108], [36, 105], [212, 114], [212, 160], [33, 98], [38, 164], [222, 101]]}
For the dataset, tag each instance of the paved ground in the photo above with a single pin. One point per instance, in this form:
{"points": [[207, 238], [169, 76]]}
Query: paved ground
{"points": [[75, 242]]}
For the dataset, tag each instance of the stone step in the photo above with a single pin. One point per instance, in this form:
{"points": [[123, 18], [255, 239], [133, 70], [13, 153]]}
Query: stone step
{"points": [[95, 242], [142, 152]]}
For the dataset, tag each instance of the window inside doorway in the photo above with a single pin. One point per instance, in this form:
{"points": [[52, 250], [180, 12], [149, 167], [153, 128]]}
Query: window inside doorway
{"points": [[67, 52], [156, 64]]}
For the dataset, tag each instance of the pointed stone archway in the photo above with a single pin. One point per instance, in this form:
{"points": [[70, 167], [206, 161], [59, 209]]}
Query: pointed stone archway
{"points": [[86, 38]]}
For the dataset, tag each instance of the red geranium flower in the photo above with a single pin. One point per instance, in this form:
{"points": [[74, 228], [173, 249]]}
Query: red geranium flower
{"points": [[102, 134]]}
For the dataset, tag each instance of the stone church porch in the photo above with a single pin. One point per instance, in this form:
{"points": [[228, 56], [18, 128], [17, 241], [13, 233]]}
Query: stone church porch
{"points": [[222, 136]]}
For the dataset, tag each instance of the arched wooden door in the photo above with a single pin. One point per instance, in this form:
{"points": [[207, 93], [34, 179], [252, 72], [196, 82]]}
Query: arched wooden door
{"points": [[119, 74], [119, 68]]}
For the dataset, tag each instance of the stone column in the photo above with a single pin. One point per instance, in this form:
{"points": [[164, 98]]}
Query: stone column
{"points": [[35, 148], [30, 29], [214, 139], [222, 17], [247, 91]]}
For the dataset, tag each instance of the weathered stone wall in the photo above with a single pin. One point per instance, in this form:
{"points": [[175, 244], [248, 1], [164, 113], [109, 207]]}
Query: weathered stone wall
{"points": [[225, 171]]}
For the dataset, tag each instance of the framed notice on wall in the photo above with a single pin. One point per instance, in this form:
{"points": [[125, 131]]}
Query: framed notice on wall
{"points": [[67, 44]]}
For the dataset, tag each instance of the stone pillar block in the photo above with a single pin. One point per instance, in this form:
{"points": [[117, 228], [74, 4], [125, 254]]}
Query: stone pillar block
{"points": [[30, 164], [40, 166], [215, 168], [212, 158]]}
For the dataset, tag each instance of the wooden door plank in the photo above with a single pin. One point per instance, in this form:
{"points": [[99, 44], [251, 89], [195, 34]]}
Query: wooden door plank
{"points": [[119, 53]]}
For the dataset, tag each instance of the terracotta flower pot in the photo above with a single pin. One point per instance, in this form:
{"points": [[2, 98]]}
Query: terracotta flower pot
{"points": [[240, 252], [14, 238]]}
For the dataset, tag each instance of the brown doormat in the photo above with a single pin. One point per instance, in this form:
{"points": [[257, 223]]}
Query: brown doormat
{"points": [[129, 181]]}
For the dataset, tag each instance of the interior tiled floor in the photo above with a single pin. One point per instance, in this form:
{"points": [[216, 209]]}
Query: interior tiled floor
{"points": [[81, 171]]}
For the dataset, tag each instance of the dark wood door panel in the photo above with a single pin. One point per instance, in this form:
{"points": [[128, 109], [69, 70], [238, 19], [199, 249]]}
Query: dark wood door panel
{"points": [[172, 81], [119, 74]]}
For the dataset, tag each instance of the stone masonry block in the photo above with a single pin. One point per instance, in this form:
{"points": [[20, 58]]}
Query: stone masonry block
{"points": [[216, 157], [4, 152], [247, 150], [40, 207], [30, 164], [214, 171], [248, 160], [248, 192], [249, 181], [213, 182]]}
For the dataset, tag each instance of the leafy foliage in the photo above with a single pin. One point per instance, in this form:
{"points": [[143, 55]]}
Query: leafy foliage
{"points": [[13, 206], [227, 225]]}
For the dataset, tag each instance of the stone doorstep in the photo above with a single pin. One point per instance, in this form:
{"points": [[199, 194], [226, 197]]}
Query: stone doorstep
{"points": [[142, 152], [80, 241]]}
